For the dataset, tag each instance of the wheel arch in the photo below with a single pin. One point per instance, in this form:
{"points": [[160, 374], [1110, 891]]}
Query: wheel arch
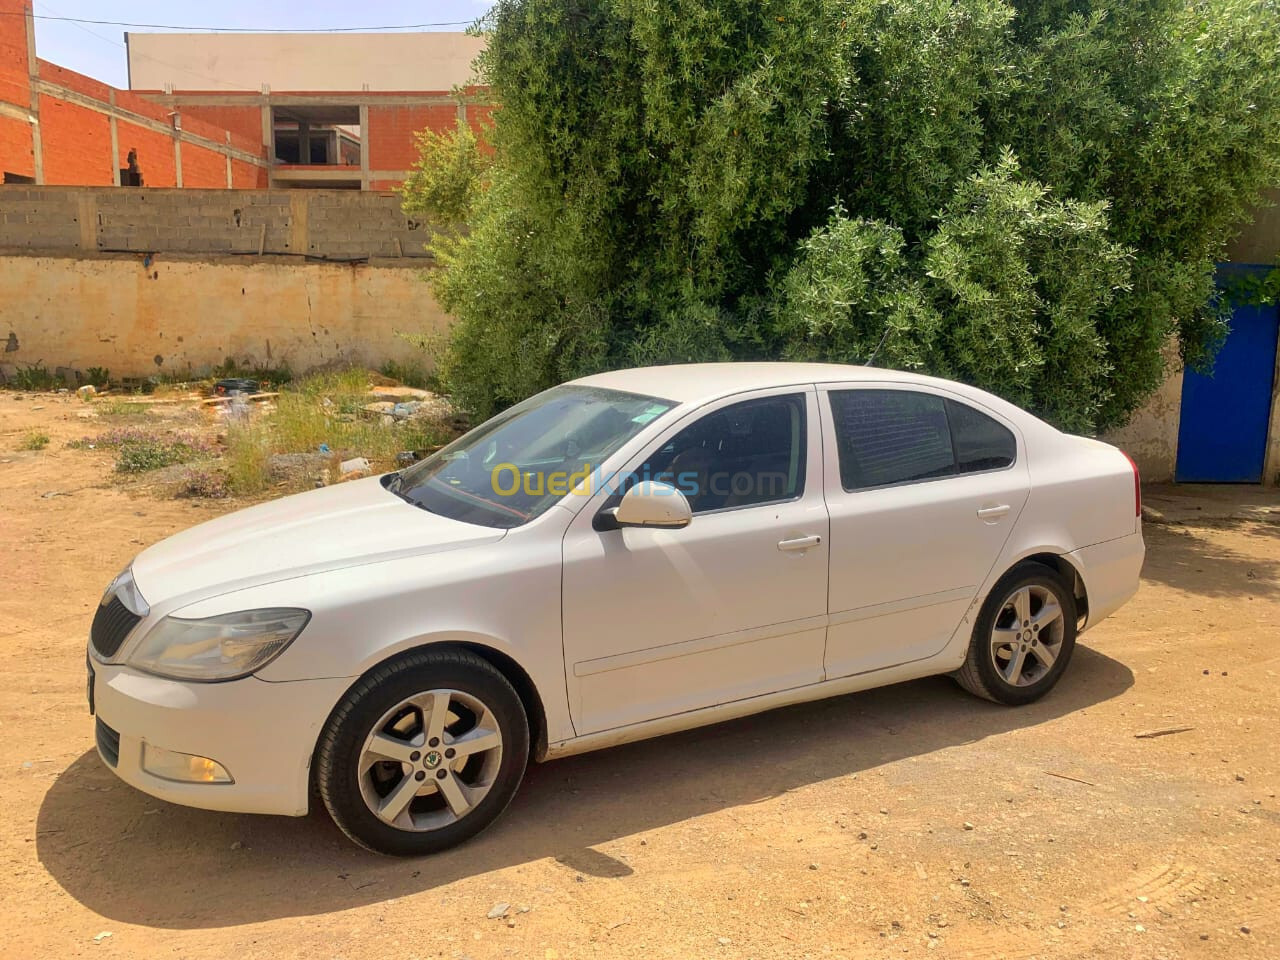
{"points": [[515, 673], [1065, 568]]}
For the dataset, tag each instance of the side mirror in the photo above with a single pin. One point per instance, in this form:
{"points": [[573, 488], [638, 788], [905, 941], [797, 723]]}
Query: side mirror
{"points": [[650, 503]]}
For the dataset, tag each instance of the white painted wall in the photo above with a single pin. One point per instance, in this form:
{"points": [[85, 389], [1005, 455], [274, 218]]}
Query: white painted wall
{"points": [[292, 62]]}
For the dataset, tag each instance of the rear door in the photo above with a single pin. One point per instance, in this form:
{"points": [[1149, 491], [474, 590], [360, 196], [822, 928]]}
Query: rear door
{"points": [[923, 490]]}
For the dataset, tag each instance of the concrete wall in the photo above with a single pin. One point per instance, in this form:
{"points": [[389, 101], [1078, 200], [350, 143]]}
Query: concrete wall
{"points": [[327, 224], [180, 315], [1151, 435], [1259, 241], [353, 61]]}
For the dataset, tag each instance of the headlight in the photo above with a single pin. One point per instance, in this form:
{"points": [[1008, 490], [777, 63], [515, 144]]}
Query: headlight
{"points": [[218, 648]]}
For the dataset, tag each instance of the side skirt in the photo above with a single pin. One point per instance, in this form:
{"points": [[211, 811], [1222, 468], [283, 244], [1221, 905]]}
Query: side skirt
{"points": [[944, 662]]}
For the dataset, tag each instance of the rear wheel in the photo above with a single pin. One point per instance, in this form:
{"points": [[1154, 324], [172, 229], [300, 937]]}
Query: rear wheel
{"points": [[1023, 637], [423, 753]]}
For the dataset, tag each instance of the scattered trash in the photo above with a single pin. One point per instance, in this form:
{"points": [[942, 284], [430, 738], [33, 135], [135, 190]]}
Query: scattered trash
{"points": [[324, 448], [724, 941], [498, 911], [968, 825], [406, 458], [102, 936], [354, 466], [1063, 776], [1239, 778], [237, 845], [403, 411], [236, 385], [1162, 732], [87, 391], [51, 494]]}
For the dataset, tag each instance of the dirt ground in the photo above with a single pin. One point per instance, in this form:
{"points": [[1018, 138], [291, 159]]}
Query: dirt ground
{"points": [[906, 821]]}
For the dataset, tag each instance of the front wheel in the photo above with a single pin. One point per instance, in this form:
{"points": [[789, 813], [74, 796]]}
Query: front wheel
{"points": [[1023, 637], [423, 753]]}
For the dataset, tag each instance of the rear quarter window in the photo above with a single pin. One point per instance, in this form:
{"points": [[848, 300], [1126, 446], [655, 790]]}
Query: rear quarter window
{"points": [[980, 442]]}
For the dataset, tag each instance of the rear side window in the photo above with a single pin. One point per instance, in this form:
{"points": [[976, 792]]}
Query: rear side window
{"points": [[887, 437], [891, 436], [980, 442]]}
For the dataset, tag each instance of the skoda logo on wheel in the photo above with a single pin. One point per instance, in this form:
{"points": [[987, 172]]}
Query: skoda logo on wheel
{"points": [[432, 759]]}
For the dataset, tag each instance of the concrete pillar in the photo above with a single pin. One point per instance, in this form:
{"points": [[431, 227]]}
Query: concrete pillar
{"points": [[115, 141], [364, 146], [299, 232], [33, 72]]}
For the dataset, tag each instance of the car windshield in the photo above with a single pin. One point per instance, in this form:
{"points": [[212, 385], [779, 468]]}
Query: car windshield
{"points": [[516, 466]]}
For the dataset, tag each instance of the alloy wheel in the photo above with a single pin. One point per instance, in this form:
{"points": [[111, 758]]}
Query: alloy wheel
{"points": [[1027, 637], [430, 760]]}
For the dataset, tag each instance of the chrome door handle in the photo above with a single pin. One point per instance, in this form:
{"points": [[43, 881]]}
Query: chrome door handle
{"points": [[800, 543], [993, 513]]}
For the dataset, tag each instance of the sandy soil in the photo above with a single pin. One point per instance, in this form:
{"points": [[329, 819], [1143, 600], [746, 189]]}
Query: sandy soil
{"points": [[836, 829]]}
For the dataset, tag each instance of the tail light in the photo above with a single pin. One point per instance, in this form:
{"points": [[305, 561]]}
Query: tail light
{"points": [[1137, 487]]}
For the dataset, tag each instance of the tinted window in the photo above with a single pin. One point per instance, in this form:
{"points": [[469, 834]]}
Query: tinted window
{"points": [[980, 442], [745, 454], [891, 436]]}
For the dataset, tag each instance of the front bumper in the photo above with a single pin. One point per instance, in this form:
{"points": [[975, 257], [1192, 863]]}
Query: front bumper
{"points": [[263, 733]]}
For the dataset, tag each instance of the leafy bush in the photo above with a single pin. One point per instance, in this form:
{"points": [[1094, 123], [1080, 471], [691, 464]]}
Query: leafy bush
{"points": [[1029, 195], [34, 440], [35, 376], [201, 484]]}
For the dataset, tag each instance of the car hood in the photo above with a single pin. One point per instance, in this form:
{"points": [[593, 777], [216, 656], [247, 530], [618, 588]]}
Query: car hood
{"points": [[344, 525]]}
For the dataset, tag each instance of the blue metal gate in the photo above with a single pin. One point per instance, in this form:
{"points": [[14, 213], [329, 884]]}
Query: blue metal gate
{"points": [[1222, 437]]}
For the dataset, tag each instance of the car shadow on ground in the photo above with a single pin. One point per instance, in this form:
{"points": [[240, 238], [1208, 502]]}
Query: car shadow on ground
{"points": [[138, 860]]}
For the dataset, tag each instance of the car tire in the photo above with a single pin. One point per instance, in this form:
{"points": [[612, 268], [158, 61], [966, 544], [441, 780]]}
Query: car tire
{"points": [[1008, 655], [393, 790]]}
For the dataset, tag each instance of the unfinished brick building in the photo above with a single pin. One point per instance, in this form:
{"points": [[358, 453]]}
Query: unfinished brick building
{"points": [[61, 127]]}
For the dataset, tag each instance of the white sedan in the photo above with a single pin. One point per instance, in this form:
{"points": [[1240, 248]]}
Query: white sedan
{"points": [[619, 557]]}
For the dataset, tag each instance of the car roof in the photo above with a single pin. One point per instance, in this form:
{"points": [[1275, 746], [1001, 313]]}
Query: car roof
{"points": [[700, 382]]}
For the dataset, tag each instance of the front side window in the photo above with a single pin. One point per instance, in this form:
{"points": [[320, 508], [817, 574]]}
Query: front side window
{"points": [[519, 464], [742, 455], [887, 437]]}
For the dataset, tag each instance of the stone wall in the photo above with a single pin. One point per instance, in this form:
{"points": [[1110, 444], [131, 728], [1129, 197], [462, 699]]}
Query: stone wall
{"points": [[339, 225]]}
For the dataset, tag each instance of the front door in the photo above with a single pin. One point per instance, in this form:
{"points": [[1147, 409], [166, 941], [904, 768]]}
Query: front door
{"points": [[659, 622], [923, 491]]}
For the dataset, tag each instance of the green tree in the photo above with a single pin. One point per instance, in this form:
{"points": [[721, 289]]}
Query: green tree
{"points": [[1029, 195]]}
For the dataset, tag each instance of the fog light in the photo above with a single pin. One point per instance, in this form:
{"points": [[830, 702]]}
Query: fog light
{"points": [[183, 767]]}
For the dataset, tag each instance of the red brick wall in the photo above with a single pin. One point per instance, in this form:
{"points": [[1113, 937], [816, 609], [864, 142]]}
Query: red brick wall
{"points": [[155, 154], [15, 89], [245, 176], [245, 123], [14, 72], [75, 143], [15, 148], [203, 168], [392, 145]]}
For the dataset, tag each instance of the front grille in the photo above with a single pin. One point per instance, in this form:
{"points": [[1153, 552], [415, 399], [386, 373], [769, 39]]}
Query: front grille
{"points": [[111, 625], [108, 743]]}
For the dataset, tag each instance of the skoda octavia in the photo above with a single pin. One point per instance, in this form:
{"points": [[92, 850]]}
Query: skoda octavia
{"points": [[619, 557]]}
